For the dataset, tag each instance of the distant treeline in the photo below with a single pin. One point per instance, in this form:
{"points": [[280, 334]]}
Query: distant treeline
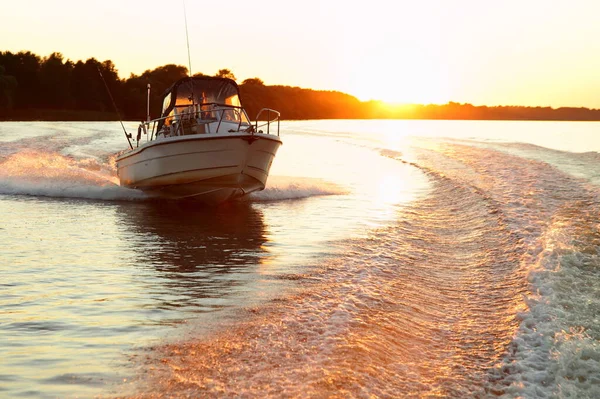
{"points": [[52, 88]]}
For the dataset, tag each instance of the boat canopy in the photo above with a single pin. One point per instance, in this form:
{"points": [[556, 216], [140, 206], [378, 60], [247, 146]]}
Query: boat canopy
{"points": [[200, 90]]}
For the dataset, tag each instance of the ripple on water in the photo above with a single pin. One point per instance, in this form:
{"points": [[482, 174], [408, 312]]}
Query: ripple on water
{"points": [[390, 316]]}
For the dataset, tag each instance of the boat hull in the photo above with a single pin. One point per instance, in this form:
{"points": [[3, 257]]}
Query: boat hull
{"points": [[209, 168]]}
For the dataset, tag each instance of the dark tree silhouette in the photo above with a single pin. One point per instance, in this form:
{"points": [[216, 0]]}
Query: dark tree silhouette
{"points": [[55, 82], [54, 88], [160, 79], [253, 81], [25, 67], [7, 86], [225, 73]]}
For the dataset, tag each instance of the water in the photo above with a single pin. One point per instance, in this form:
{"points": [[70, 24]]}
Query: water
{"points": [[385, 259]]}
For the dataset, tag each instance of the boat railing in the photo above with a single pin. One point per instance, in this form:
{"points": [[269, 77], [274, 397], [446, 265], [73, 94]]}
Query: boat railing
{"points": [[268, 120], [204, 114]]}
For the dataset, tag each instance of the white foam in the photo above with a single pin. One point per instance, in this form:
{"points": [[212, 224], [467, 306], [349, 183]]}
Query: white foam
{"points": [[556, 352], [66, 189], [53, 175], [50, 174], [286, 188]]}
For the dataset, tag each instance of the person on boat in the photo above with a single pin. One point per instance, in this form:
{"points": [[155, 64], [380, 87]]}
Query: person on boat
{"points": [[205, 114]]}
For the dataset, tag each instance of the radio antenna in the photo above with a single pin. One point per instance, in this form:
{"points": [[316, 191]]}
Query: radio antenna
{"points": [[187, 37]]}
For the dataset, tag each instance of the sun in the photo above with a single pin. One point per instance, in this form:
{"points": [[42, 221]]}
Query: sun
{"points": [[404, 87]]}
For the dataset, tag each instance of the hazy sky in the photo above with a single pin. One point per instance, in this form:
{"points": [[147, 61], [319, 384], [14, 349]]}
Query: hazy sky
{"points": [[525, 52]]}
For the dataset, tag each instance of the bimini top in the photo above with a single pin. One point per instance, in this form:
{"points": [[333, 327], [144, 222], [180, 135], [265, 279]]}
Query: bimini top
{"points": [[200, 90]]}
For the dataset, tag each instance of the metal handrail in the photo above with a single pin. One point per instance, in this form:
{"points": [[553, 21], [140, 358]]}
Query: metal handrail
{"points": [[187, 113], [269, 120], [217, 107]]}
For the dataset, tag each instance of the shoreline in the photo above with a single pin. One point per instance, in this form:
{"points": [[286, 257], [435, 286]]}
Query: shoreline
{"points": [[94, 116]]}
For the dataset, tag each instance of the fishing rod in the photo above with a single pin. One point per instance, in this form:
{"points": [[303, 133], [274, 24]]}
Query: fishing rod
{"points": [[128, 136]]}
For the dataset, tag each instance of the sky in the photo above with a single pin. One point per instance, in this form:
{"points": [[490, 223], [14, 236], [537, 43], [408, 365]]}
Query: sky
{"points": [[483, 52]]}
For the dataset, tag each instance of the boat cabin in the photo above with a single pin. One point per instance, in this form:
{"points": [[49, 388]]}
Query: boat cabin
{"points": [[202, 104]]}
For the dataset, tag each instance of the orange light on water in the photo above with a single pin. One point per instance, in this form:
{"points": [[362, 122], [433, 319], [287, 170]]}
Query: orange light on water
{"points": [[34, 166]]}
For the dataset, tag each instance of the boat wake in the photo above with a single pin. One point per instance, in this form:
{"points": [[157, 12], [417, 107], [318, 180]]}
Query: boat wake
{"points": [[548, 199], [50, 174], [488, 287], [281, 188]]}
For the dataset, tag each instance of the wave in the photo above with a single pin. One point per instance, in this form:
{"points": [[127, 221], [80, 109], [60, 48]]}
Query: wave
{"points": [[49, 174], [67, 189], [413, 309], [554, 351], [388, 318], [487, 287], [281, 188]]}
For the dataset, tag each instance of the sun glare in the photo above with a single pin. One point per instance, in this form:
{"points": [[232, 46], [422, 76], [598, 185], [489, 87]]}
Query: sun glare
{"points": [[404, 88]]}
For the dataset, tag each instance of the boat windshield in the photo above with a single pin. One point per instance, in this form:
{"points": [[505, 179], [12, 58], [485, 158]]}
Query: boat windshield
{"points": [[207, 92], [202, 90]]}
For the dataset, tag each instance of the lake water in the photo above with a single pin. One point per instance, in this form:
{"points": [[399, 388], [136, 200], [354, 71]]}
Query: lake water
{"points": [[384, 259]]}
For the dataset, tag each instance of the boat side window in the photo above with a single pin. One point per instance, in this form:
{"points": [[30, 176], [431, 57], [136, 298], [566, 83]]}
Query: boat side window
{"points": [[231, 115]]}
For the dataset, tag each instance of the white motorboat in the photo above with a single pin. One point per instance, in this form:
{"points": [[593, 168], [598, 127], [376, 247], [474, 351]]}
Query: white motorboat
{"points": [[203, 145]]}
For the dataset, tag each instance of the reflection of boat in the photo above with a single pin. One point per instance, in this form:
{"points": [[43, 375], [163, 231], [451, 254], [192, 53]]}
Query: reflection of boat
{"points": [[188, 238], [193, 258], [202, 146]]}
